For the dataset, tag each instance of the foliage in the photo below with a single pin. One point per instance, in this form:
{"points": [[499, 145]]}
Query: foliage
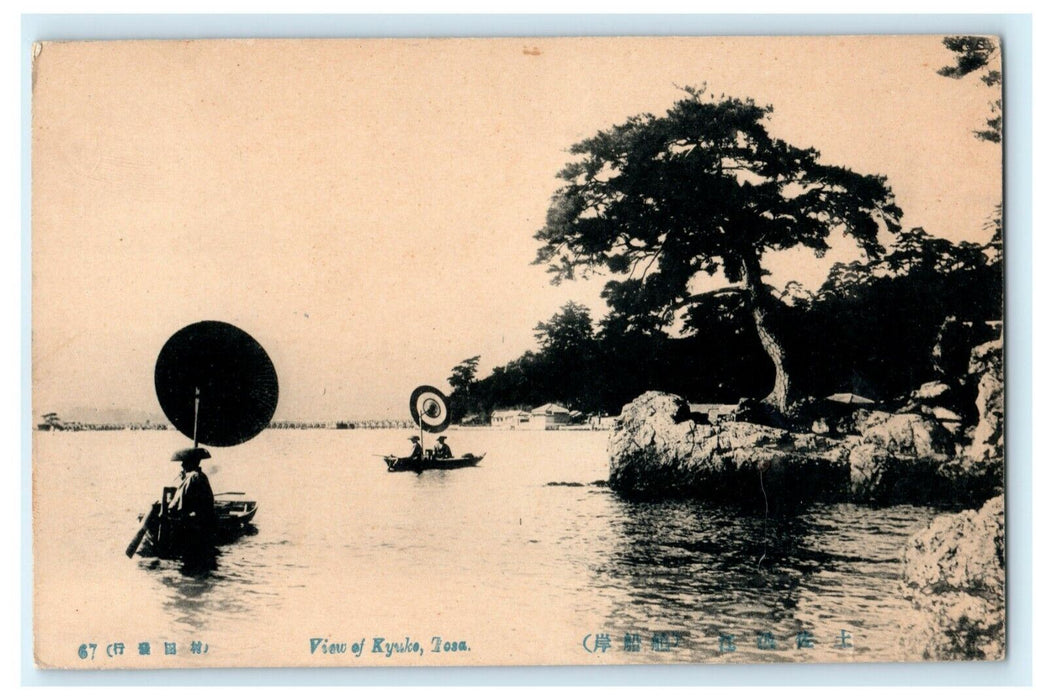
{"points": [[569, 331], [702, 189], [974, 54], [706, 189], [463, 375], [461, 380], [872, 328], [560, 371]]}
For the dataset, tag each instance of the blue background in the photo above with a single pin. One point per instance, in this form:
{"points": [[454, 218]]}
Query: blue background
{"points": [[1015, 31]]}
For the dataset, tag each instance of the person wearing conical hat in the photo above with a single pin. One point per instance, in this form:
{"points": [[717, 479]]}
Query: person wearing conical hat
{"points": [[192, 506], [442, 449]]}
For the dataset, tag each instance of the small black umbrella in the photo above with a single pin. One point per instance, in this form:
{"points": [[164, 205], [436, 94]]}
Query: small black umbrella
{"points": [[428, 408]]}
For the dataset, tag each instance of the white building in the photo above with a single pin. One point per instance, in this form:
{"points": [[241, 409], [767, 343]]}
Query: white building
{"points": [[548, 417], [510, 419]]}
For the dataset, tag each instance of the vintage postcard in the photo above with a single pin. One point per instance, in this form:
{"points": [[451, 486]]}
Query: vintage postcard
{"points": [[472, 352]]}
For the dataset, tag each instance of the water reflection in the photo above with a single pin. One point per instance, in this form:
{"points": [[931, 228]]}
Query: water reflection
{"points": [[197, 588], [685, 554], [707, 570], [189, 600]]}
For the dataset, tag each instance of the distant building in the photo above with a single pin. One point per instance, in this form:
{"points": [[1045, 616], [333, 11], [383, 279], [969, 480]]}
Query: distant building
{"points": [[548, 417], [510, 419]]}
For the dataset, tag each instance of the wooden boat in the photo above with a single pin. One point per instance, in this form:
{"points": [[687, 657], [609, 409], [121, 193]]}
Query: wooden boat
{"points": [[165, 537], [215, 362], [404, 464], [428, 408], [234, 515]]}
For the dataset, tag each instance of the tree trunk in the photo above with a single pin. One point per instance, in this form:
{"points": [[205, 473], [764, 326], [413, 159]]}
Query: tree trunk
{"points": [[752, 279]]}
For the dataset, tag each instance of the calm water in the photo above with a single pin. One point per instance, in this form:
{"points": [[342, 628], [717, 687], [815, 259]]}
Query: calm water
{"points": [[521, 570]]}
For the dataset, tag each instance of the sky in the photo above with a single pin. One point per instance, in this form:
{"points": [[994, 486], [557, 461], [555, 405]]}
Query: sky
{"points": [[366, 208]]}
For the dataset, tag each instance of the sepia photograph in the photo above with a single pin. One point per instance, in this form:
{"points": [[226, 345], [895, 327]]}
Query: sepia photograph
{"points": [[517, 351]]}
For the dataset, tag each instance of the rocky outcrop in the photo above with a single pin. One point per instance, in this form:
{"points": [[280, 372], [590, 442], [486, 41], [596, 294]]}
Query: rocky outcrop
{"points": [[986, 369], [906, 457], [954, 574], [658, 451], [906, 434]]}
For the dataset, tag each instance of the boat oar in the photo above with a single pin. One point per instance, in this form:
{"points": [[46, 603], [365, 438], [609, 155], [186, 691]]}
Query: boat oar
{"points": [[140, 535]]}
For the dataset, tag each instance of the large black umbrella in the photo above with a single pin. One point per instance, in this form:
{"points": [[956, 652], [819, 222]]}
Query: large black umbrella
{"points": [[228, 371]]}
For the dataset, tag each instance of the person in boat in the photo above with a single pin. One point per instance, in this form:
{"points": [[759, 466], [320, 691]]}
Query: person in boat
{"points": [[416, 451], [442, 449], [192, 505]]}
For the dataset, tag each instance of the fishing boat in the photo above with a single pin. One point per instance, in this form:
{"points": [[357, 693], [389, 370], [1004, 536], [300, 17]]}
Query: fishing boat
{"points": [[223, 369], [405, 464], [165, 537], [234, 514], [428, 408]]}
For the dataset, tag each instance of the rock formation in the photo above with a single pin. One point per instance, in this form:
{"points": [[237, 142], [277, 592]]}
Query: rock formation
{"points": [[954, 574], [659, 452], [954, 571], [987, 439]]}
